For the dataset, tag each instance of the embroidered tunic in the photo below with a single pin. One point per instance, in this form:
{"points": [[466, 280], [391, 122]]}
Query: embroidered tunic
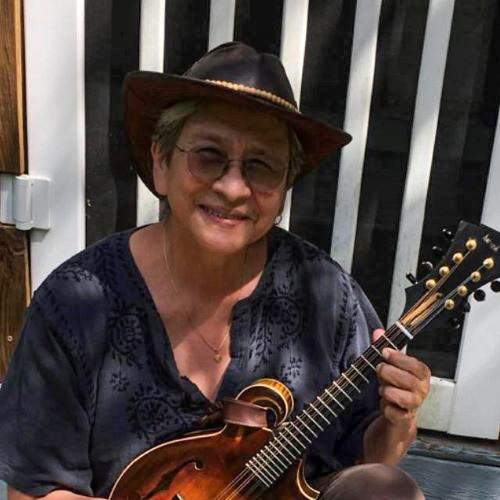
{"points": [[93, 381]]}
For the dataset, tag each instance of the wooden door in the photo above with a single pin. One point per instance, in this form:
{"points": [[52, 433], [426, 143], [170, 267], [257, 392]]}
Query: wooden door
{"points": [[14, 263]]}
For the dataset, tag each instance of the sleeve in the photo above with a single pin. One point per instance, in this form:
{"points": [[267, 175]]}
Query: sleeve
{"points": [[362, 321], [44, 426]]}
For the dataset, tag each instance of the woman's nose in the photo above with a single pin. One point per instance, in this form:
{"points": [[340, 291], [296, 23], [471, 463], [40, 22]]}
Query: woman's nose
{"points": [[232, 184]]}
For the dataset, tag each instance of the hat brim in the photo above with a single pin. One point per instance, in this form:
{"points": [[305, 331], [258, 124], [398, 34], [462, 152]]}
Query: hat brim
{"points": [[147, 94]]}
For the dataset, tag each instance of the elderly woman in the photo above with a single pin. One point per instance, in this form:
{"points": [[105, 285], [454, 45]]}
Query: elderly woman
{"points": [[133, 341]]}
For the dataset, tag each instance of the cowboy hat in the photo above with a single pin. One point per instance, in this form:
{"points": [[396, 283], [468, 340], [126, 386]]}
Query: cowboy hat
{"points": [[232, 72]]}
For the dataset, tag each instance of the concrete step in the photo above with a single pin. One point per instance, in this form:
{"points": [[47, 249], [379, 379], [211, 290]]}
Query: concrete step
{"points": [[452, 480]]}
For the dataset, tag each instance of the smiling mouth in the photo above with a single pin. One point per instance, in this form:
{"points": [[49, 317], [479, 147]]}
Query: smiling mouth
{"points": [[223, 215]]}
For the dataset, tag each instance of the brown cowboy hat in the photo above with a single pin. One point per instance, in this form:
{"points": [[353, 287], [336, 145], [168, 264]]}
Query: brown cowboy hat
{"points": [[232, 72]]}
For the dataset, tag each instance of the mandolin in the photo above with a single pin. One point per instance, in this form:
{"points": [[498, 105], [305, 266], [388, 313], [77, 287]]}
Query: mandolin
{"points": [[263, 461]]}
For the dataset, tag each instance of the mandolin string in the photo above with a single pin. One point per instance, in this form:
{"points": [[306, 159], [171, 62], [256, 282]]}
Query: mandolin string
{"points": [[247, 476]]}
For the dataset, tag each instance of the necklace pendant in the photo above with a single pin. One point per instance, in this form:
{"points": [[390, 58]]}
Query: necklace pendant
{"points": [[217, 357]]}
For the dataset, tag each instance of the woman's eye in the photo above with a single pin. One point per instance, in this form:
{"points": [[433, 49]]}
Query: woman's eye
{"points": [[209, 151], [259, 164]]}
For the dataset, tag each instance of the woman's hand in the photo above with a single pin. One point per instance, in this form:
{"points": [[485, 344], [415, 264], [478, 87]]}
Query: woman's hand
{"points": [[404, 384]]}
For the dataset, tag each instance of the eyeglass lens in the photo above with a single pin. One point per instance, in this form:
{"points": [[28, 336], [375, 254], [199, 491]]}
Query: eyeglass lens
{"points": [[208, 165]]}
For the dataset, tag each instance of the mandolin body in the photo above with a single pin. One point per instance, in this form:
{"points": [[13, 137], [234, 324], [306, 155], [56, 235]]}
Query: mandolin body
{"points": [[201, 465]]}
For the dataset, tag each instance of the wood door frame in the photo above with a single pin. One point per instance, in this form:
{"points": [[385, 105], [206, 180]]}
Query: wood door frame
{"points": [[14, 259]]}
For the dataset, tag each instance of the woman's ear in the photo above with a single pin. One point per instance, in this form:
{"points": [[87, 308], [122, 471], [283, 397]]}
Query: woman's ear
{"points": [[159, 169]]}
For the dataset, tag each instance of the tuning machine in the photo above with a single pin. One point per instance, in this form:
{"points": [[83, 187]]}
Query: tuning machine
{"points": [[411, 279], [495, 286], [437, 251], [480, 295], [447, 233], [427, 267]]}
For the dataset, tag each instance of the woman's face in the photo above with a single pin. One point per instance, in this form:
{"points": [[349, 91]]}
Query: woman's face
{"points": [[226, 215]]}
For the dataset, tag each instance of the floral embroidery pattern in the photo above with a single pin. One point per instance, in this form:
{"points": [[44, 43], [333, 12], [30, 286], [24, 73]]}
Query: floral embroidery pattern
{"points": [[126, 333], [151, 414]]}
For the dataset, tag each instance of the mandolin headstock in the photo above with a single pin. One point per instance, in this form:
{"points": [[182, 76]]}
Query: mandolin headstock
{"points": [[472, 261]]}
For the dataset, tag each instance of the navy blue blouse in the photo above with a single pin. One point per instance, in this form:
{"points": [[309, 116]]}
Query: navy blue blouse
{"points": [[93, 381]]}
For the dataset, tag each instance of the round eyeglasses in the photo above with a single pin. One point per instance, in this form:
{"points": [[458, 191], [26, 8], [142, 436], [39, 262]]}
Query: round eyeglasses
{"points": [[208, 164]]}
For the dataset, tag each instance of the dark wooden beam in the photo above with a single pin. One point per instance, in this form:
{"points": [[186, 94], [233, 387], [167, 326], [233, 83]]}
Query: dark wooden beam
{"points": [[14, 289], [12, 136]]}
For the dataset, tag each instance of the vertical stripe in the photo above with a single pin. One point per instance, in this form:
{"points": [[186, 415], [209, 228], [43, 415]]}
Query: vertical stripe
{"points": [[356, 123], [430, 85], [151, 57], [55, 98], [221, 22], [476, 412], [293, 47]]}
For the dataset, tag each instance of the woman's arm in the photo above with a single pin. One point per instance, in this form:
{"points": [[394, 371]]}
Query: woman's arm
{"points": [[13, 494]]}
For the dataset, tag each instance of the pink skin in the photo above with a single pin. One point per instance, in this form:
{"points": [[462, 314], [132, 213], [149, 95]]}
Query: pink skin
{"points": [[225, 217], [404, 384]]}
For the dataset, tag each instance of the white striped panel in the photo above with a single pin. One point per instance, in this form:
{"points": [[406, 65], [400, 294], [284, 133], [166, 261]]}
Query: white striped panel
{"points": [[151, 53], [359, 95], [430, 84], [55, 104], [293, 48], [221, 22], [478, 362]]}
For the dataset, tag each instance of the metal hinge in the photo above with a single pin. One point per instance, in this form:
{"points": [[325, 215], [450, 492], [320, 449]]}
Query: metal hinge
{"points": [[24, 201]]}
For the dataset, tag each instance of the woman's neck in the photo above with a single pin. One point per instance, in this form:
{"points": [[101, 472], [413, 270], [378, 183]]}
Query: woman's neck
{"points": [[206, 275]]}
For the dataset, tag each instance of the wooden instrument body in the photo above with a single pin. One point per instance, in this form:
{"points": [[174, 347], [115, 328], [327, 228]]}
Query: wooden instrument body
{"points": [[201, 465]]}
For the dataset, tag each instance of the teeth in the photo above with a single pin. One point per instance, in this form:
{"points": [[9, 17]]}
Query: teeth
{"points": [[222, 215]]}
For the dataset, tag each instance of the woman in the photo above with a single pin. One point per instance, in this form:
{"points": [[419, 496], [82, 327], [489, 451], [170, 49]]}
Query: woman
{"points": [[134, 340]]}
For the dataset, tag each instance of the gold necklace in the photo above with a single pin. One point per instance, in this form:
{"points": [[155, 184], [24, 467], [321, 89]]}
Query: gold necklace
{"points": [[217, 356]]}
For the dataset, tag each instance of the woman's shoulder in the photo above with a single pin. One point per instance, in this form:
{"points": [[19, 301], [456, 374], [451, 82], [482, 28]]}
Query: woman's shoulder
{"points": [[291, 248], [90, 274]]}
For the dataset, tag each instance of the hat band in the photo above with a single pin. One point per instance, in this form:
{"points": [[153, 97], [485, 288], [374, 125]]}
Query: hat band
{"points": [[239, 87]]}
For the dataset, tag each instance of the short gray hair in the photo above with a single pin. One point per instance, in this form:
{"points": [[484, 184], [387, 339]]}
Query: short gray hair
{"points": [[172, 120]]}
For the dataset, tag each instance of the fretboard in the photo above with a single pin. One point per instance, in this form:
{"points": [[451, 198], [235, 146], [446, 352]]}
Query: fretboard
{"points": [[292, 438]]}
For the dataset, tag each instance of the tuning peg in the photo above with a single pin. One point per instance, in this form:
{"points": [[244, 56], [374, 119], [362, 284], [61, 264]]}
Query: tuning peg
{"points": [[479, 295], [437, 251], [465, 307], [447, 233], [427, 266], [411, 278], [455, 322], [495, 286]]}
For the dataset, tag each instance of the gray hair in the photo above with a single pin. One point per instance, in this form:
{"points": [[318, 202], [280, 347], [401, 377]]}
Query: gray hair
{"points": [[172, 120]]}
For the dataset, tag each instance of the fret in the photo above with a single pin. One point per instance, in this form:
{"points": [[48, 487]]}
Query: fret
{"points": [[306, 426], [270, 464], [335, 399], [351, 382], [353, 366], [404, 330], [342, 391], [285, 467], [390, 341], [376, 350], [319, 413], [368, 363], [312, 420], [290, 433], [268, 482], [297, 428], [327, 407], [299, 452], [281, 453]]}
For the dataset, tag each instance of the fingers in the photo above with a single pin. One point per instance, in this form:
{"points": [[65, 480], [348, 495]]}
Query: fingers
{"points": [[407, 363], [395, 414], [404, 383]]}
